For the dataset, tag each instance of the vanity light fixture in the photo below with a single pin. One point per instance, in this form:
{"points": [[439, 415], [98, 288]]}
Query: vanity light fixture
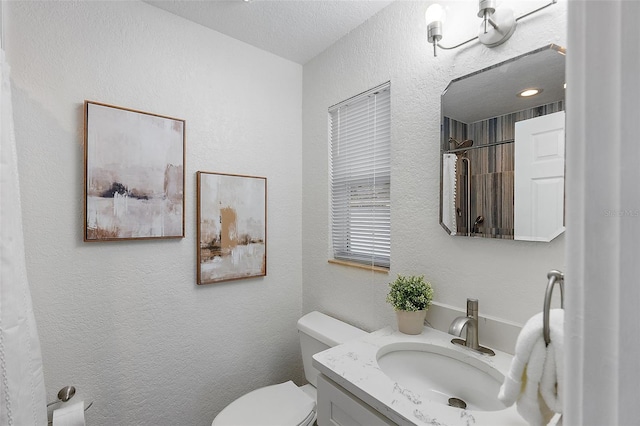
{"points": [[496, 27], [527, 93], [434, 16]]}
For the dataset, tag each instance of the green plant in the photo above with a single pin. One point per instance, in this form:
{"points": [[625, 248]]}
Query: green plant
{"points": [[411, 293]]}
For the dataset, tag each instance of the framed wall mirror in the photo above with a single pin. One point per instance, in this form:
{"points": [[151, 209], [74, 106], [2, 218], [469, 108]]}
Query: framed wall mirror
{"points": [[502, 149]]}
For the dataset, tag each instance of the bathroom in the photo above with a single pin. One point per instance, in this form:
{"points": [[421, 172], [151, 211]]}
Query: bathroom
{"points": [[125, 322]]}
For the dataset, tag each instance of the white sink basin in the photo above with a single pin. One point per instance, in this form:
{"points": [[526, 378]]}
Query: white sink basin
{"points": [[441, 373]]}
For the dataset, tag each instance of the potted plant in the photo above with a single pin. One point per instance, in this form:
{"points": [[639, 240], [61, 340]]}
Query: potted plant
{"points": [[410, 296]]}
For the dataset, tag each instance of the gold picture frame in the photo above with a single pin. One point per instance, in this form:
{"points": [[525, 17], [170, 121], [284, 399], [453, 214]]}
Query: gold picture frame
{"points": [[232, 227], [133, 174]]}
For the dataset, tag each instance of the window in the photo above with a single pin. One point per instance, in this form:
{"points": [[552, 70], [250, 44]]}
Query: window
{"points": [[361, 178]]}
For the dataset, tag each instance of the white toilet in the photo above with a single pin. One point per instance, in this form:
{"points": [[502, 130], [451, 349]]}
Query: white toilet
{"points": [[287, 404]]}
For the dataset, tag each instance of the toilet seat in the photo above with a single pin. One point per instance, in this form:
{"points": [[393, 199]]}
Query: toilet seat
{"points": [[277, 405]]}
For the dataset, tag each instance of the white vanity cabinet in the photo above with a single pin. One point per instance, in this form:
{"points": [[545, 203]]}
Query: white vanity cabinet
{"points": [[353, 389], [338, 407]]}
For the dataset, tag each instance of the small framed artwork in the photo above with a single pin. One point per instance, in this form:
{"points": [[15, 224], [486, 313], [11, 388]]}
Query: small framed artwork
{"points": [[133, 173], [232, 227]]}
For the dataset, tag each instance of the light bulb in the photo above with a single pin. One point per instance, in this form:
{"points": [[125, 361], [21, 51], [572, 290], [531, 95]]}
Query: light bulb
{"points": [[434, 13]]}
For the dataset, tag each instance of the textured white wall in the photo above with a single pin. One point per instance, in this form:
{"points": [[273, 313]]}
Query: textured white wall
{"points": [[125, 322], [508, 277]]}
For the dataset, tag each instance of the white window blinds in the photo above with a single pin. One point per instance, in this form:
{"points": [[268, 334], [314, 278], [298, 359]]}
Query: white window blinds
{"points": [[361, 178]]}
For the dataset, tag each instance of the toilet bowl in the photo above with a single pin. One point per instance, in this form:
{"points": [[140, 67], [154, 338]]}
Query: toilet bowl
{"points": [[282, 404], [286, 404]]}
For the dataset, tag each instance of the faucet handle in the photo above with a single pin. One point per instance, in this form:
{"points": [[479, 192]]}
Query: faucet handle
{"points": [[472, 308]]}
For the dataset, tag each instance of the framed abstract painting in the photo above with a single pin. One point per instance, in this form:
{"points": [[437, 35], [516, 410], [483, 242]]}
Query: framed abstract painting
{"points": [[133, 173], [232, 227]]}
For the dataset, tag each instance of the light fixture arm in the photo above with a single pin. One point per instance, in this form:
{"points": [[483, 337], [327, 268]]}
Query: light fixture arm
{"points": [[537, 10], [487, 15], [457, 45], [490, 21]]}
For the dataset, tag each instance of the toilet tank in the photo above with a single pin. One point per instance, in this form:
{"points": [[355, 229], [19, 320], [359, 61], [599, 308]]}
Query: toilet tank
{"points": [[318, 332]]}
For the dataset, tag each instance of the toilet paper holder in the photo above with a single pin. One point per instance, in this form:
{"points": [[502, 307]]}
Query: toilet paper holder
{"points": [[64, 395]]}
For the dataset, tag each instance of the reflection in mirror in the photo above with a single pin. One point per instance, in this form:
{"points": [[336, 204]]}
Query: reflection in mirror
{"points": [[502, 162]]}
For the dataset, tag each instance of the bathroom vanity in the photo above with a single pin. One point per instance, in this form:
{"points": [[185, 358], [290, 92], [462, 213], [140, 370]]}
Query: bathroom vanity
{"points": [[389, 378]]}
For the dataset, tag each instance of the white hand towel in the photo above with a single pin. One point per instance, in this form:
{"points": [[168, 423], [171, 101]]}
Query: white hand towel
{"points": [[529, 335], [530, 403], [551, 384], [531, 368]]}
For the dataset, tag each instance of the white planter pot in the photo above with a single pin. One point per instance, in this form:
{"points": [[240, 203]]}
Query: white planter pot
{"points": [[411, 322]]}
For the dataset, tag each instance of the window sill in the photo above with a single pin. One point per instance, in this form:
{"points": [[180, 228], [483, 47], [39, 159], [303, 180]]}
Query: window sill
{"points": [[359, 265]]}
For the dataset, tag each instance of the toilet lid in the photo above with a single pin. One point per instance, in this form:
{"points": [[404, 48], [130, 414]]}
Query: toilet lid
{"points": [[277, 405]]}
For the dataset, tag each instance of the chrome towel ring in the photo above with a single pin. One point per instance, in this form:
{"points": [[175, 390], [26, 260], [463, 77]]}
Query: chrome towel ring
{"points": [[554, 277]]}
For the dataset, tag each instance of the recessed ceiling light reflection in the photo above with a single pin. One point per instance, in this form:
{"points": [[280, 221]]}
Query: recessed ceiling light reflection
{"points": [[527, 93]]}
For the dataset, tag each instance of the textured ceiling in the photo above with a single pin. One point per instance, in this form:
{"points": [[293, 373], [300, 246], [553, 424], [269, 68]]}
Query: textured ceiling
{"points": [[493, 92], [297, 30]]}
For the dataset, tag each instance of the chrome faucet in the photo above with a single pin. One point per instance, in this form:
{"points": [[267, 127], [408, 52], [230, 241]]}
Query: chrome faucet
{"points": [[470, 322]]}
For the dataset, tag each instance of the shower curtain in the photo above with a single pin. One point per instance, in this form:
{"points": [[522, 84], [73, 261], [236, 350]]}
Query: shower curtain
{"points": [[449, 166], [22, 392]]}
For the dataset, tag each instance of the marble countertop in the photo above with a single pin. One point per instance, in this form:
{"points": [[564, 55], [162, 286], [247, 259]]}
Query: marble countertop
{"points": [[354, 366]]}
